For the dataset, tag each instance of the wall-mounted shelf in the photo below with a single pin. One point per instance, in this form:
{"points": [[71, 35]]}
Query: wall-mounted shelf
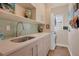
{"points": [[28, 7], [13, 17]]}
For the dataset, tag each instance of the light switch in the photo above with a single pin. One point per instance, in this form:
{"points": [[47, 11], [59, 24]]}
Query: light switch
{"points": [[8, 27]]}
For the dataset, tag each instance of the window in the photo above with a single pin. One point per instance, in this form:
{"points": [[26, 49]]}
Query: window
{"points": [[58, 22]]}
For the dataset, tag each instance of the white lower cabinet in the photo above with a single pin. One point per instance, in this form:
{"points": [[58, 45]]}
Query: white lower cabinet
{"points": [[44, 45], [30, 50], [26, 51], [38, 48]]}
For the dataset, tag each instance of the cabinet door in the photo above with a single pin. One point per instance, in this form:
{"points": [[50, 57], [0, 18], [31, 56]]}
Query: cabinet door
{"points": [[35, 50], [30, 50], [47, 44], [26, 51], [43, 45]]}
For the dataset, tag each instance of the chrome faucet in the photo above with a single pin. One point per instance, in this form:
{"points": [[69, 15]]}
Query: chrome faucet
{"points": [[17, 27]]}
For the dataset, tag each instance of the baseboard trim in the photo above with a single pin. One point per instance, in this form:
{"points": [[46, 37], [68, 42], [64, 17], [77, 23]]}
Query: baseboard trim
{"points": [[62, 45], [65, 46], [70, 51]]}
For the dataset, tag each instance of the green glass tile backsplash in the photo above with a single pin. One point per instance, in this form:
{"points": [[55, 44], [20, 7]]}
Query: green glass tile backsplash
{"points": [[9, 28]]}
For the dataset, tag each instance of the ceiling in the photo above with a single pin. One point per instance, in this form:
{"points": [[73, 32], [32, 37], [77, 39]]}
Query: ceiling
{"points": [[53, 5]]}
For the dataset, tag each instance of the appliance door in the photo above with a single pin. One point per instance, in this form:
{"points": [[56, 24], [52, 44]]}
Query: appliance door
{"points": [[53, 40]]}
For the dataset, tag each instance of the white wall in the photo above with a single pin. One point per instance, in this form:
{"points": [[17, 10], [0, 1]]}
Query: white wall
{"points": [[40, 12], [74, 42], [19, 10], [53, 5], [62, 38]]}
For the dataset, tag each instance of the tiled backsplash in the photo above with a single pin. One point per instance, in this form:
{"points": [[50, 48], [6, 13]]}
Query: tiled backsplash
{"points": [[9, 28]]}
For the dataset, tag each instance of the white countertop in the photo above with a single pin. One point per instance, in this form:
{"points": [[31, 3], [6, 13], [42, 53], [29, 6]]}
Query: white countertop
{"points": [[7, 47]]}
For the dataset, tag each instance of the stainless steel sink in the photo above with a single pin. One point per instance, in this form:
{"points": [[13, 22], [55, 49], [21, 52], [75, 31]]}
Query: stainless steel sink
{"points": [[23, 39]]}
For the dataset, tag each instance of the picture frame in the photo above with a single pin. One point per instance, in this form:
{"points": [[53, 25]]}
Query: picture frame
{"points": [[47, 26]]}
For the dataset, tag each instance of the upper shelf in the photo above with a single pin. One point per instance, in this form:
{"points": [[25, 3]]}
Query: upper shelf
{"points": [[26, 5], [13, 17]]}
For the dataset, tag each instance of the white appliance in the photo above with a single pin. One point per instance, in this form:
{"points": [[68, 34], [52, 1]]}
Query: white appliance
{"points": [[55, 26], [53, 34], [53, 40]]}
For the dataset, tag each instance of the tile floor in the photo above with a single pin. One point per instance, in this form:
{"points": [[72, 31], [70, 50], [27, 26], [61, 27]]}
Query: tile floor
{"points": [[59, 51]]}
